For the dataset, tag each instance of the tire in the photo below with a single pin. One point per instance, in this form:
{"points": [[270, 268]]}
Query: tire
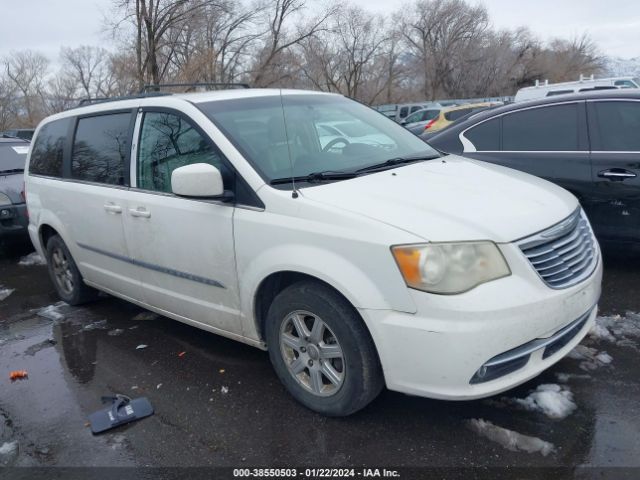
{"points": [[346, 383], [65, 275]]}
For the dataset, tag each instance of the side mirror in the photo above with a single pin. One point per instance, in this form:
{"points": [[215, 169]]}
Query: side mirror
{"points": [[197, 180]]}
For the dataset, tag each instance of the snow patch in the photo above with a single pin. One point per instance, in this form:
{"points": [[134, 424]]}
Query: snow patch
{"points": [[553, 400], [31, 259], [52, 312], [5, 292], [509, 439], [99, 325], [590, 358], [618, 329], [8, 448]]}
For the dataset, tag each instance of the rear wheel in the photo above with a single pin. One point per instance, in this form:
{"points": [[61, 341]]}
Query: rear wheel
{"points": [[65, 275], [321, 350]]}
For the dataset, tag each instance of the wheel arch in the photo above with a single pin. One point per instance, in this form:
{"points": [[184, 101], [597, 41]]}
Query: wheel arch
{"points": [[276, 282]]}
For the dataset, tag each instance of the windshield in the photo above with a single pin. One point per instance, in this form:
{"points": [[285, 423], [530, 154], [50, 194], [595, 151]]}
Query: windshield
{"points": [[323, 133], [13, 156]]}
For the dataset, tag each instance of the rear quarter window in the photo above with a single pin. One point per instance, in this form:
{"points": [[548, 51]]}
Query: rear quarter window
{"points": [[47, 150], [486, 136], [101, 148]]}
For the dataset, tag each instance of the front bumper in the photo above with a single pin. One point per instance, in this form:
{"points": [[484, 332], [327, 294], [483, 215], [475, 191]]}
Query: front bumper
{"points": [[439, 351], [13, 221]]}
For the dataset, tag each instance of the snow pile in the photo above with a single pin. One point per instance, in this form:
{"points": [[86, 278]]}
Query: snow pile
{"points": [[553, 400], [52, 312], [5, 292], [8, 448], [590, 358], [509, 439], [31, 259], [98, 325], [618, 329]]}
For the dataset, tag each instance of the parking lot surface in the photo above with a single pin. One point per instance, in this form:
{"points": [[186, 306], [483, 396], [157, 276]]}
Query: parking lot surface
{"points": [[218, 402]]}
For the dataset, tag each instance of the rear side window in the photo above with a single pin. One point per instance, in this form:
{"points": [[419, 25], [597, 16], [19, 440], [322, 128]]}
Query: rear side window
{"points": [[48, 149], [553, 128], [618, 125], [100, 148], [456, 114], [486, 136]]}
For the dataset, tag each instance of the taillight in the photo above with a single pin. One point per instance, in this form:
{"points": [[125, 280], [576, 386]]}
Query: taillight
{"points": [[428, 125]]}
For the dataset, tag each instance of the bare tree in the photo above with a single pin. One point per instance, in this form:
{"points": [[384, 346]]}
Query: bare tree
{"points": [[279, 37], [439, 34], [27, 71], [218, 44], [351, 55], [157, 26], [89, 67]]}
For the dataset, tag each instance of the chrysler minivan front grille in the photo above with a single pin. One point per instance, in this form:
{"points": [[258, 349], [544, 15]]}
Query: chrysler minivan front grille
{"points": [[564, 254]]}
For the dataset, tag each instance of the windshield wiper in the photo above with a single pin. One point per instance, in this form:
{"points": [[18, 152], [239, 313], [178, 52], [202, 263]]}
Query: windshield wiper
{"points": [[13, 170], [394, 162], [315, 177]]}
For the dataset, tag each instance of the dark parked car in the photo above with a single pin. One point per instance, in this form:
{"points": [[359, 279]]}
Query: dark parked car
{"points": [[588, 143], [13, 210], [23, 133]]}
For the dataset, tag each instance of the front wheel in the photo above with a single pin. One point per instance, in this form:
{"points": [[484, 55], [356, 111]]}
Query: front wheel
{"points": [[321, 349], [65, 275]]}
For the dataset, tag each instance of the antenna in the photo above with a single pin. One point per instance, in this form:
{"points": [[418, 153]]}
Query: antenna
{"points": [[294, 193]]}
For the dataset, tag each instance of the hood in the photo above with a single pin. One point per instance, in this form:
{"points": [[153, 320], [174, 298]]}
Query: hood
{"points": [[452, 199]]}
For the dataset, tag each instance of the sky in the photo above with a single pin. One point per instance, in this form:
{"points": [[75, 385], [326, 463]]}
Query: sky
{"points": [[46, 25]]}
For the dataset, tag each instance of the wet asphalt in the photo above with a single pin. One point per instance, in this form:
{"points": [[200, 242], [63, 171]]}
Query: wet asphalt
{"points": [[91, 351]]}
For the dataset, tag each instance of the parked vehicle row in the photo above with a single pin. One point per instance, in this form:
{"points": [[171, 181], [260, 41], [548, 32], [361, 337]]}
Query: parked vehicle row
{"points": [[23, 133], [588, 143], [309, 225], [436, 119]]}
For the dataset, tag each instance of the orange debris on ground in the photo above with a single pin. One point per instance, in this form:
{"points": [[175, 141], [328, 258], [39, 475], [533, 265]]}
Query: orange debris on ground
{"points": [[18, 374]]}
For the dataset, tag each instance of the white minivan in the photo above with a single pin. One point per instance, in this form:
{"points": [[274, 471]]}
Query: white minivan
{"points": [[358, 265]]}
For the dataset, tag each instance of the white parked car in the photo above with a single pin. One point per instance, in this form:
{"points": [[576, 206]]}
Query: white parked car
{"points": [[584, 84], [356, 267]]}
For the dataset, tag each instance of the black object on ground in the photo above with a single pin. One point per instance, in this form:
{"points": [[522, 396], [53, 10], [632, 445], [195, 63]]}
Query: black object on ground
{"points": [[122, 410]]}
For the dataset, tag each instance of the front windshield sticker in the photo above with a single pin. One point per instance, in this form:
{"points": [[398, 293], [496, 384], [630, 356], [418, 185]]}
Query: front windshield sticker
{"points": [[21, 150]]}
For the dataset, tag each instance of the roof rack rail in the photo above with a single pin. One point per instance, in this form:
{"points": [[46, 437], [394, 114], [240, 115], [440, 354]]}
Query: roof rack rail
{"points": [[91, 101], [207, 85]]}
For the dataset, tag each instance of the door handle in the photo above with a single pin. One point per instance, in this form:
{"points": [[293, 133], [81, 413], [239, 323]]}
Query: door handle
{"points": [[140, 212], [616, 174], [112, 208]]}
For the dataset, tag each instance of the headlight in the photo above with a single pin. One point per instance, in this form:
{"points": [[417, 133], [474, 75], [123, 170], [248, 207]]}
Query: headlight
{"points": [[4, 200], [449, 268]]}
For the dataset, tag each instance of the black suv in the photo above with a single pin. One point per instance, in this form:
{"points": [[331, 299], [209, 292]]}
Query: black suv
{"points": [[588, 143], [13, 210]]}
